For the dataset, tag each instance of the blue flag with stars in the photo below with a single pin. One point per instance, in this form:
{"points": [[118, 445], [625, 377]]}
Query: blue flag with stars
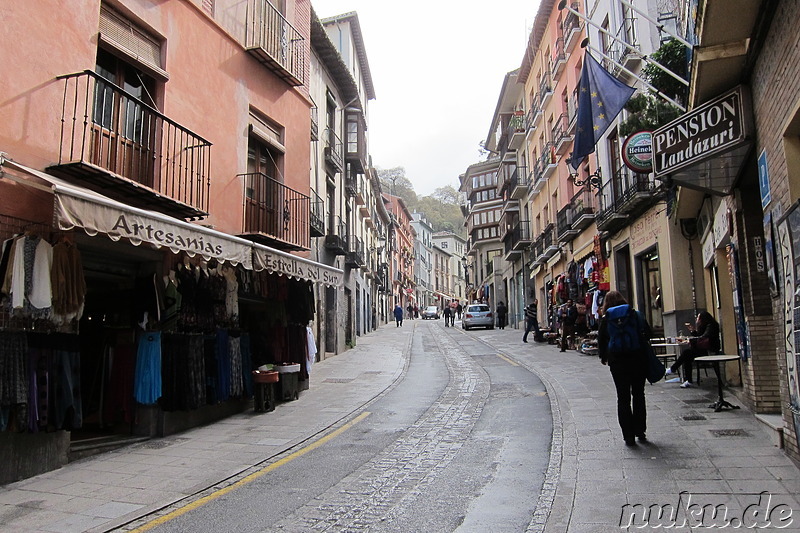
{"points": [[600, 99]]}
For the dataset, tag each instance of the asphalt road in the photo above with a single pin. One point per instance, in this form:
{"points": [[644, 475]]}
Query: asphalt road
{"points": [[461, 443]]}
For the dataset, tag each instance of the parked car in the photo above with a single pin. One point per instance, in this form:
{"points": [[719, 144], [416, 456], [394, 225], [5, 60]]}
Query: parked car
{"points": [[478, 315], [430, 312]]}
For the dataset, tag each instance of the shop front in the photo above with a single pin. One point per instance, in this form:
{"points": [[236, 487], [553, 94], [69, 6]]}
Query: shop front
{"points": [[140, 325]]}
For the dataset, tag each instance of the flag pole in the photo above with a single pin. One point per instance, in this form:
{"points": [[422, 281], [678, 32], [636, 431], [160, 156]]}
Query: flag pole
{"points": [[563, 5], [659, 26], [589, 47]]}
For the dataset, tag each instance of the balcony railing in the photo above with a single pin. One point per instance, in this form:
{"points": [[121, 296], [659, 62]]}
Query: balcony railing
{"points": [[533, 114], [333, 150], [356, 145], [276, 213], [317, 221], [545, 89], [572, 109], [314, 124], [559, 58], [336, 239], [571, 28], [583, 209], [113, 142], [561, 135], [517, 185], [564, 231], [626, 194], [274, 42], [355, 251]]}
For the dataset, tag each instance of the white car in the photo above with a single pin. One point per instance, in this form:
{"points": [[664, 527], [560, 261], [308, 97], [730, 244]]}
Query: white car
{"points": [[430, 312], [477, 315]]}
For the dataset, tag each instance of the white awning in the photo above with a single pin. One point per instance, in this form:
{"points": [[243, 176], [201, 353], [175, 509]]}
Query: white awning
{"points": [[78, 207], [282, 263]]}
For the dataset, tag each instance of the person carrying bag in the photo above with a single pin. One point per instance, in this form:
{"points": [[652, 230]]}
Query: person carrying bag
{"points": [[623, 344]]}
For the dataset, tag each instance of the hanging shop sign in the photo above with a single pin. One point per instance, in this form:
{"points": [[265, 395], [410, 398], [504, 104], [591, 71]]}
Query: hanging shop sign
{"points": [[284, 264], [637, 152], [705, 149], [78, 207]]}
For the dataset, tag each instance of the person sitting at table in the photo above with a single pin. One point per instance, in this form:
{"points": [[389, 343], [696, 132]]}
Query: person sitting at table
{"points": [[704, 341]]}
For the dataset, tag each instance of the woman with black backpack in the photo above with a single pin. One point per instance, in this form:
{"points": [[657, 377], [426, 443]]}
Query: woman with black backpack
{"points": [[622, 339]]}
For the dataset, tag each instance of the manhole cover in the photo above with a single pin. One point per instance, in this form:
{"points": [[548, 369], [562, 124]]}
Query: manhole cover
{"points": [[162, 443], [694, 417], [729, 433], [338, 380]]}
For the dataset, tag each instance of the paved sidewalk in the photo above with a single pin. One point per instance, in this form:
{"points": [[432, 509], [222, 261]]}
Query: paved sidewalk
{"points": [[724, 457]]}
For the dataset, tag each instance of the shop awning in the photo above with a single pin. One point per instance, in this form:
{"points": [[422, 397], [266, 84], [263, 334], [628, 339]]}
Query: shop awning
{"points": [[278, 262], [77, 207]]}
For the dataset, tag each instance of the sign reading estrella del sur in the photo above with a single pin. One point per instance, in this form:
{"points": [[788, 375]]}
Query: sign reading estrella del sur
{"points": [[637, 151]]}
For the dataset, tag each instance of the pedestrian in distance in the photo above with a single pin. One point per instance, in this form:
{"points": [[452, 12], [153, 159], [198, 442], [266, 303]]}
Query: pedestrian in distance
{"points": [[502, 313], [704, 341], [416, 311], [410, 309], [446, 312], [459, 310], [622, 344], [531, 320], [398, 315], [569, 314]]}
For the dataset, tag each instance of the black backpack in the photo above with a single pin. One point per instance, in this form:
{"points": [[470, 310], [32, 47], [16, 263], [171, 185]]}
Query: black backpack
{"points": [[624, 330]]}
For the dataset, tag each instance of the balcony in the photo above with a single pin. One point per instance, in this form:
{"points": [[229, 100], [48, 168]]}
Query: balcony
{"points": [[545, 90], [317, 210], [538, 250], [583, 209], [564, 230], [333, 150], [275, 43], [545, 168], [572, 111], [531, 121], [516, 130], [275, 214], [562, 139], [355, 256], [116, 144], [549, 245], [571, 28], [336, 239], [625, 196], [521, 235], [356, 145], [517, 187], [559, 59]]}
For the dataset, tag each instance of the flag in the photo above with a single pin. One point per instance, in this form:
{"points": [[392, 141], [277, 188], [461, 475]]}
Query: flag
{"points": [[601, 98]]}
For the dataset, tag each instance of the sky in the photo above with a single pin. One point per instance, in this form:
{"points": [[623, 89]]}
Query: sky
{"points": [[437, 67]]}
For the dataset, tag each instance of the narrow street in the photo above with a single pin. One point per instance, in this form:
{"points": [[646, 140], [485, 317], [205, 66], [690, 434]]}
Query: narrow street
{"points": [[461, 440]]}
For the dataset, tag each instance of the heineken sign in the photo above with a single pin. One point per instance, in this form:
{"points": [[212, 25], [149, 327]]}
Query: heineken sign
{"points": [[714, 128], [637, 152]]}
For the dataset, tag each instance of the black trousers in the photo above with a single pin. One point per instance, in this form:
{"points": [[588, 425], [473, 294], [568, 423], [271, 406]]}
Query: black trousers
{"points": [[685, 360], [629, 379], [531, 324]]}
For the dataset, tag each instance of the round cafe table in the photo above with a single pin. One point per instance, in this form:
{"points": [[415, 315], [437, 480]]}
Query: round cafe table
{"points": [[715, 360]]}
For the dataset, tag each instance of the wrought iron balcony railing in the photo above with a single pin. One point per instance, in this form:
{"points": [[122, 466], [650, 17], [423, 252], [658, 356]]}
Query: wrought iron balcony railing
{"points": [[114, 142], [317, 213], [336, 238], [275, 212], [333, 150], [274, 42]]}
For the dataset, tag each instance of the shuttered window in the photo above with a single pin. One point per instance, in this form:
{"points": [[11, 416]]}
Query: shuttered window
{"points": [[125, 37]]}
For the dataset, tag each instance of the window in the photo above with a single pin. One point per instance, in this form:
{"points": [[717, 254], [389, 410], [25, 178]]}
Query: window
{"points": [[444, 245]]}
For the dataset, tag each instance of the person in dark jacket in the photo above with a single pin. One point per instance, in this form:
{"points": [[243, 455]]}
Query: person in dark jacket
{"points": [[502, 313], [705, 341], [398, 315], [628, 368], [569, 315], [446, 312], [531, 320]]}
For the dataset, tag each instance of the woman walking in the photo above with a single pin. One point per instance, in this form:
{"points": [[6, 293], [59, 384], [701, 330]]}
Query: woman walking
{"points": [[621, 342]]}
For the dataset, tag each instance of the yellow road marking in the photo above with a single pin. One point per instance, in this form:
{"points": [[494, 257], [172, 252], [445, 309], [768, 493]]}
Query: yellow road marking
{"points": [[506, 359], [251, 477]]}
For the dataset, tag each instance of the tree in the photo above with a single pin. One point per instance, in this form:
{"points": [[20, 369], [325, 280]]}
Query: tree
{"points": [[395, 182], [447, 195]]}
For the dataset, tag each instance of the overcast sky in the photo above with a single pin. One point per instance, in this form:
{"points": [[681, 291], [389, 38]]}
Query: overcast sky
{"points": [[437, 67]]}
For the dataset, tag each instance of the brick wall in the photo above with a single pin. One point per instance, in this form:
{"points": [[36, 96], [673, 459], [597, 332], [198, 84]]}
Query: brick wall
{"points": [[775, 85]]}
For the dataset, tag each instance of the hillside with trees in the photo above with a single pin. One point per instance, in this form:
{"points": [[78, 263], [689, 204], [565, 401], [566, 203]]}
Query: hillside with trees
{"points": [[441, 208]]}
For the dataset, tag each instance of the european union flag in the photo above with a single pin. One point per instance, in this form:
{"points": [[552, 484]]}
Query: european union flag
{"points": [[601, 98]]}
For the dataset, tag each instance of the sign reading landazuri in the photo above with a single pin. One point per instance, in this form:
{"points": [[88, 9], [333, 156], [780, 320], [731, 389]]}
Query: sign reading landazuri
{"points": [[711, 128]]}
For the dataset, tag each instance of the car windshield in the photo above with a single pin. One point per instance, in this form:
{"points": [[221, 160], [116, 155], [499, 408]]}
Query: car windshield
{"points": [[432, 309], [478, 308]]}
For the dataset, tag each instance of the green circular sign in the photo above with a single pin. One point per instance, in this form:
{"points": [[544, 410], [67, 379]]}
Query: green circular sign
{"points": [[637, 151]]}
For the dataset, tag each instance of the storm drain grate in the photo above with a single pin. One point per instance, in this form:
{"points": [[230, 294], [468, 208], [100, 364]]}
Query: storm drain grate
{"points": [[694, 417], [729, 433], [162, 443], [338, 380]]}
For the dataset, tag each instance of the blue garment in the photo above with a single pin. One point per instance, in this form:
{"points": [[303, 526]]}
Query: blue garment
{"points": [[147, 383]]}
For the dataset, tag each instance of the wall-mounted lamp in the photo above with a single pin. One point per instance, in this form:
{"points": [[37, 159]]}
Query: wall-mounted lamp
{"points": [[593, 181]]}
